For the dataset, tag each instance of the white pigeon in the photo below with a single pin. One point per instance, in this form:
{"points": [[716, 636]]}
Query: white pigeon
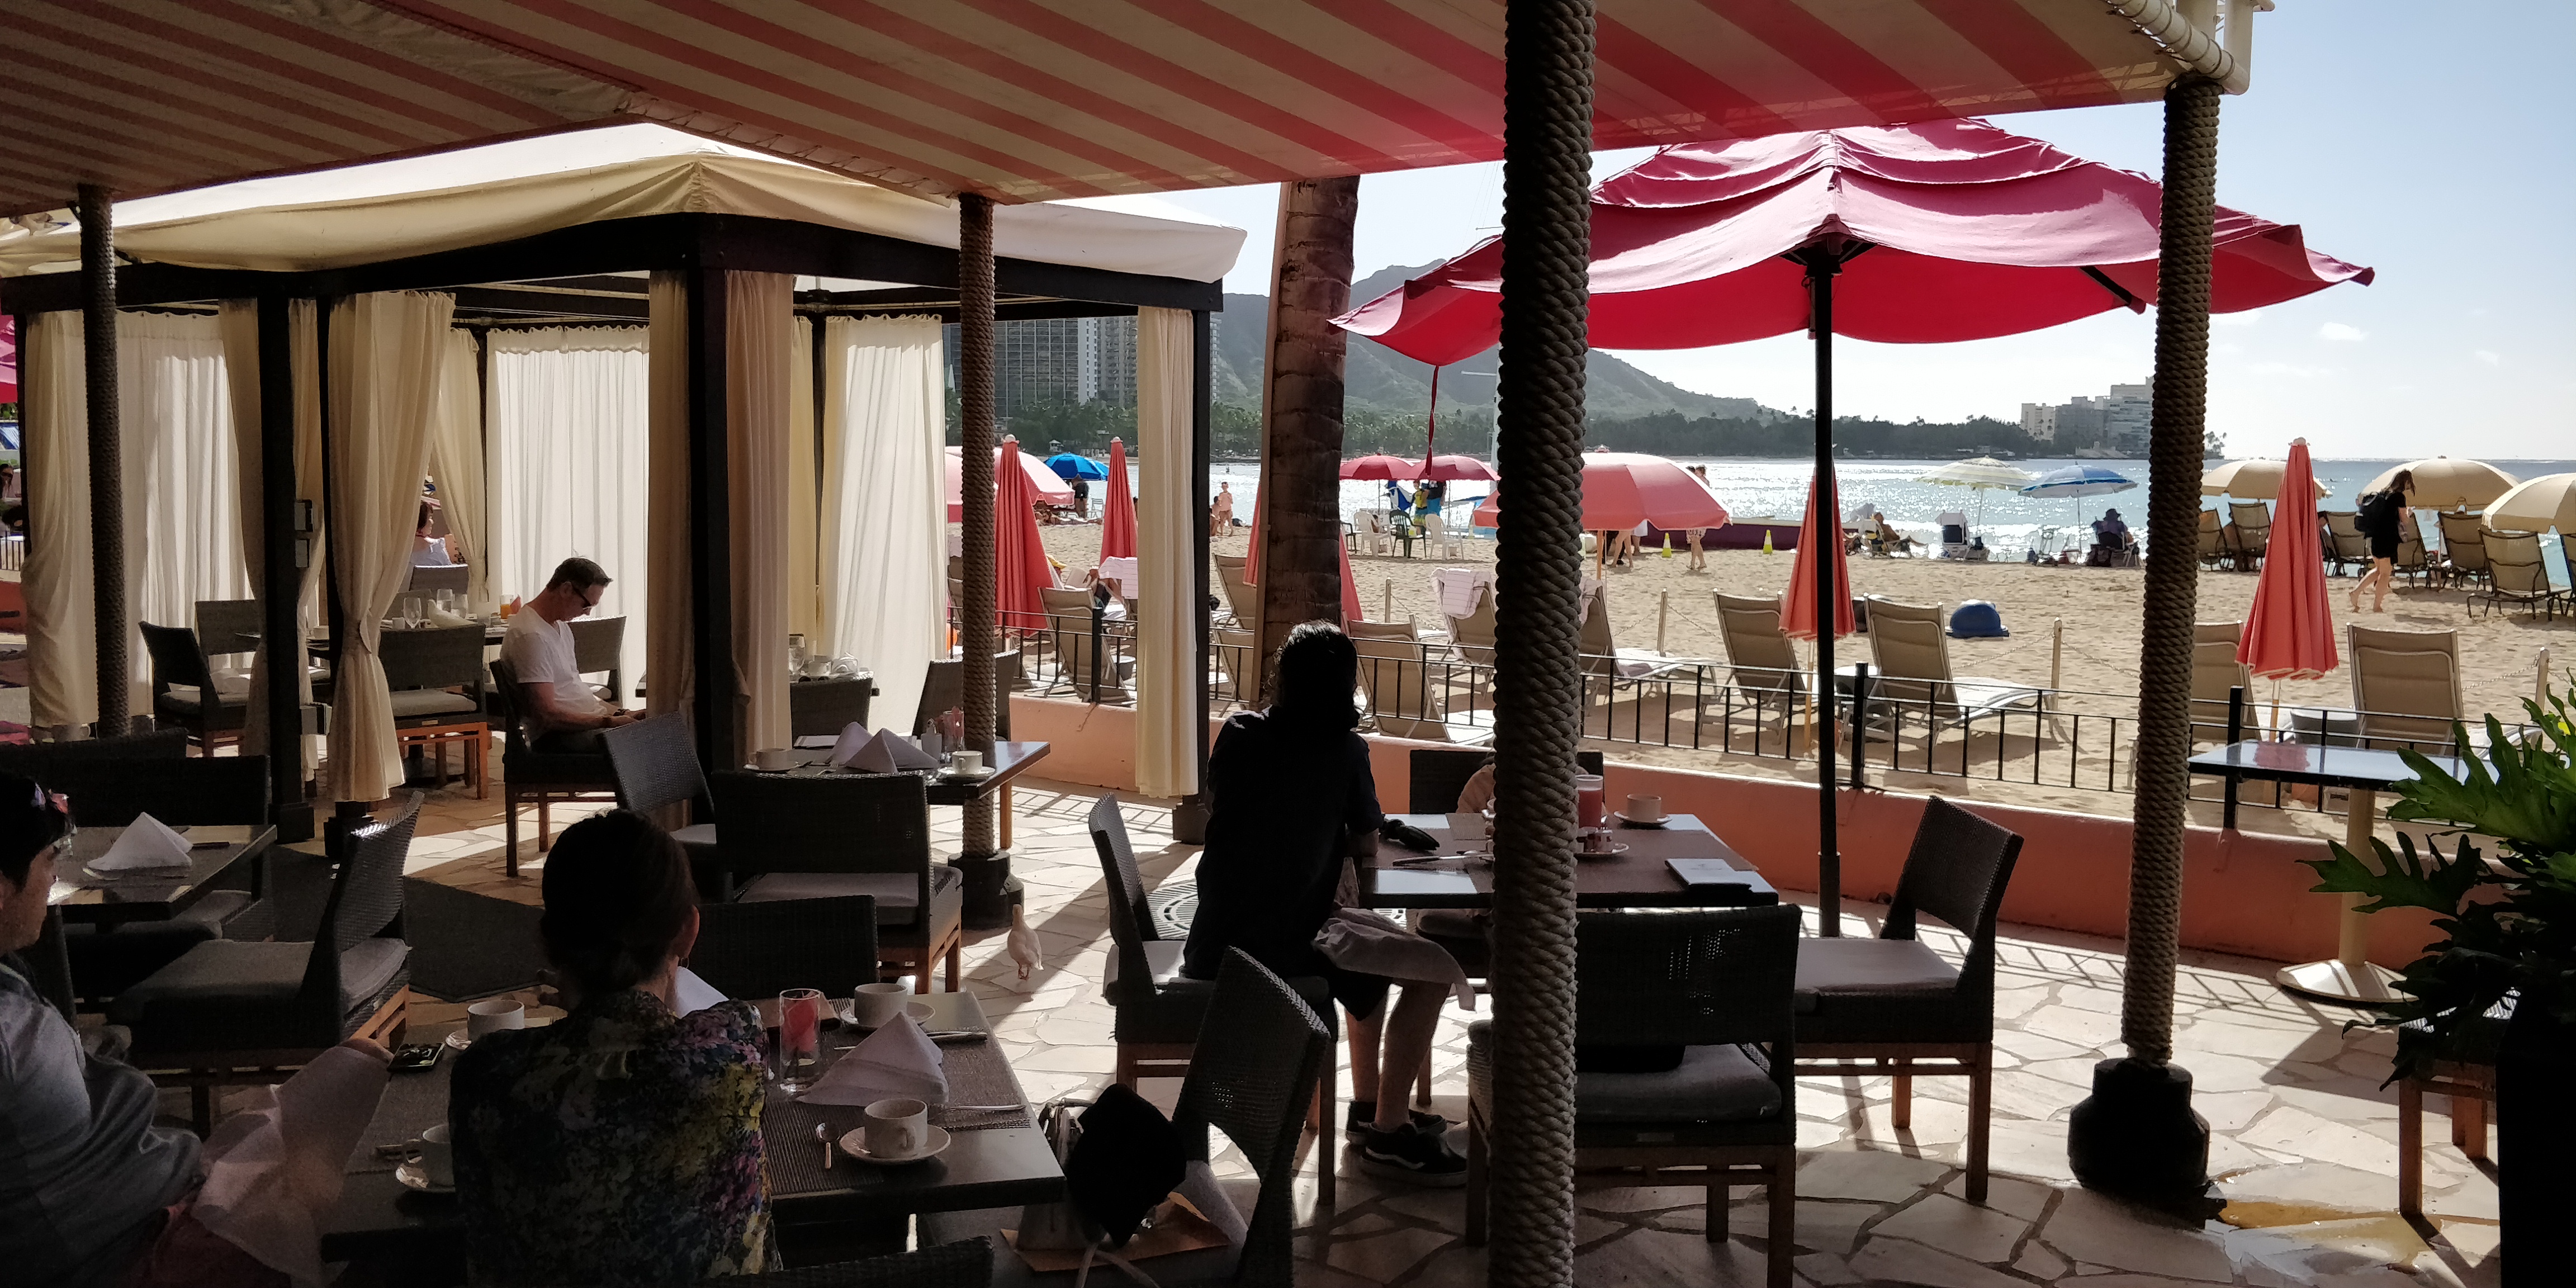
{"points": [[1022, 943]]}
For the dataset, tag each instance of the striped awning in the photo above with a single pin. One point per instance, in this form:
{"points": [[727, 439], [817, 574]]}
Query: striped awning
{"points": [[1018, 99]]}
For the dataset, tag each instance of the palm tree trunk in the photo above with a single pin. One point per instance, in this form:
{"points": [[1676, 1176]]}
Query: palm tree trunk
{"points": [[1301, 450]]}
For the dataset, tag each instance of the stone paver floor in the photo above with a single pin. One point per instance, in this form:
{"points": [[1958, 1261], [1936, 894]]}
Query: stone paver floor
{"points": [[2304, 1137]]}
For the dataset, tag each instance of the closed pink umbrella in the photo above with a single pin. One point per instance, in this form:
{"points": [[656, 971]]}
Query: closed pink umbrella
{"points": [[1798, 603], [2289, 632], [1020, 567], [1118, 518]]}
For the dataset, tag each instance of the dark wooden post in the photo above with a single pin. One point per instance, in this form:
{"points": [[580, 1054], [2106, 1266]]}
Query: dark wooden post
{"points": [[1189, 818], [281, 646], [96, 212], [985, 865], [717, 713]]}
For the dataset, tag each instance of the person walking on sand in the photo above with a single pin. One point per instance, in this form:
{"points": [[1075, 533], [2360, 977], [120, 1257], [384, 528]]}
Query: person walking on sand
{"points": [[1221, 510], [1698, 559], [2379, 518]]}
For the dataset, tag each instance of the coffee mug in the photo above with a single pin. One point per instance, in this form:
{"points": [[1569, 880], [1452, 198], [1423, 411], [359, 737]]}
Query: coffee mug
{"points": [[896, 1129], [966, 762], [774, 759], [492, 1015], [872, 1005], [434, 1155], [1646, 809]]}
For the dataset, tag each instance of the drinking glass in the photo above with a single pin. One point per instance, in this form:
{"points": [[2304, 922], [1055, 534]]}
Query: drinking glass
{"points": [[800, 1039], [1587, 800], [796, 656]]}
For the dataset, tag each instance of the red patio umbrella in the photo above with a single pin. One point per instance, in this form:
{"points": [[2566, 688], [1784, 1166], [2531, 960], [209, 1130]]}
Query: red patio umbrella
{"points": [[2289, 632], [1020, 567], [1798, 605], [1252, 566], [1624, 489], [1377, 467], [1118, 518], [1455, 469], [1043, 483], [8, 358]]}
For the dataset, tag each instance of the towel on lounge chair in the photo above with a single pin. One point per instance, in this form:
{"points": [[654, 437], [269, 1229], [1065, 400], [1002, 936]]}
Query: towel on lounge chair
{"points": [[1457, 588]]}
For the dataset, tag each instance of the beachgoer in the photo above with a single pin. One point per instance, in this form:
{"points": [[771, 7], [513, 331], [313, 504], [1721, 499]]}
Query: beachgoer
{"points": [[2112, 541], [564, 713], [1221, 510], [428, 550], [1082, 496], [1291, 800], [621, 1144], [1698, 558], [2381, 516]]}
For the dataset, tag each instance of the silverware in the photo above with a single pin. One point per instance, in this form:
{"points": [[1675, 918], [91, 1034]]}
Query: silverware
{"points": [[981, 1109], [824, 1134], [958, 1035]]}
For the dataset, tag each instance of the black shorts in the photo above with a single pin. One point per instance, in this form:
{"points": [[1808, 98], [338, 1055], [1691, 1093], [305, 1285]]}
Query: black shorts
{"points": [[2383, 547]]}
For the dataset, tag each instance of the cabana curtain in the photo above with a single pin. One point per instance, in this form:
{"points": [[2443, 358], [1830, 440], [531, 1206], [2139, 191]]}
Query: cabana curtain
{"points": [[62, 650], [1167, 662], [566, 463], [670, 664], [240, 320], [456, 462], [884, 568], [761, 355], [386, 355]]}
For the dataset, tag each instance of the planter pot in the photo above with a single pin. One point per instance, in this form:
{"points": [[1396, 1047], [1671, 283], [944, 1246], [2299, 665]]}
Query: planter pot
{"points": [[2535, 1126]]}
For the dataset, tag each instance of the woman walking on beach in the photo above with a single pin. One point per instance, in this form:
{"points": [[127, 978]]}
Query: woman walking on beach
{"points": [[2379, 518]]}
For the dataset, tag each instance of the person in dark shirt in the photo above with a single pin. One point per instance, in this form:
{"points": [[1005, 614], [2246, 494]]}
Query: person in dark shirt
{"points": [[1291, 799], [2111, 540], [2381, 518]]}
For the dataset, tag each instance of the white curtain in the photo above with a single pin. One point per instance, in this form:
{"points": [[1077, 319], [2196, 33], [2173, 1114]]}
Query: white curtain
{"points": [[1167, 607], [566, 459], [456, 461], [240, 320], [885, 567], [804, 492], [62, 645], [670, 665], [761, 356], [387, 351]]}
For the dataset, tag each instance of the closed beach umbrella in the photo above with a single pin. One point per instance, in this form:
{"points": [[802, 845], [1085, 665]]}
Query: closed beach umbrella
{"points": [[1118, 517], [2537, 505], [2077, 482], [2252, 480], [1066, 465], [1818, 537], [1043, 483], [1020, 567], [2289, 632], [2446, 484], [1378, 467]]}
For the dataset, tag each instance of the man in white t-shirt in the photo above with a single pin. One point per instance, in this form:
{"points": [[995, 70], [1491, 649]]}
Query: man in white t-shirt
{"points": [[563, 712]]}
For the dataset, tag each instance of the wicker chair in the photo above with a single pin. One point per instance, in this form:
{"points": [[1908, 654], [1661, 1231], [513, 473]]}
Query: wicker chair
{"points": [[182, 791], [1438, 775], [37, 760], [212, 714], [943, 689], [540, 778], [1879, 1006], [654, 764], [231, 1011], [815, 838], [756, 950], [1265, 1051], [598, 645], [424, 671], [1718, 984], [825, 707], [1156, 1024]]}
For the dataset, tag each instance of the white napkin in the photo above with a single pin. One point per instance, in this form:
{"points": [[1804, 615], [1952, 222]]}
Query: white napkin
{"points": [[1357, 939], [888, 754], [445, 618], [271, 1168], [896, 1060], [854, 737], [147, 842], [694, 994]]}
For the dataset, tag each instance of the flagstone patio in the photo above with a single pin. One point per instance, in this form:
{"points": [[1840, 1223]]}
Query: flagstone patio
{"points": [[2303, 1136]]}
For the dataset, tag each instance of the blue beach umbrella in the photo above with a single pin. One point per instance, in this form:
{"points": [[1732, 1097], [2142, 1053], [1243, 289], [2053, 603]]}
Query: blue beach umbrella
{"points": [[1069, 466], [2078, 482]]}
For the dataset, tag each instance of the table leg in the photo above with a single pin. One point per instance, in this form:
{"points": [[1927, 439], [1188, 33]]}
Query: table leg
{"points": [[1007, 815], [2350, 977]]}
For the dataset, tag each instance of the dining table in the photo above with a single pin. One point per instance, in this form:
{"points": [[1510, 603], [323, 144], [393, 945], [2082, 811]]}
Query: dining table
{"points": [[995, 1157], [1638, 872], [83, 894]]}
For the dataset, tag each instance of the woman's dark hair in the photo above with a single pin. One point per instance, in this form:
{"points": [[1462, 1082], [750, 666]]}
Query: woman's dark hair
{"points": [[617, 893], [2403, 483], [423, 520], [29, 821], [1318, 670]]}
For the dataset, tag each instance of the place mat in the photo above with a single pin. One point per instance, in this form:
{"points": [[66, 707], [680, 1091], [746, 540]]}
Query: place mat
{"points": [[413, 1103], [978, 1074]]}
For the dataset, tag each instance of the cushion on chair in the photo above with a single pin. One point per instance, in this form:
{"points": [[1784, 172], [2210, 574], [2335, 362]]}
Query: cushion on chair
{"points": [[561, 769], [107, 962], [1714, 1084], [431, 702], [898, 894], [230, 995], [1829, 968]]}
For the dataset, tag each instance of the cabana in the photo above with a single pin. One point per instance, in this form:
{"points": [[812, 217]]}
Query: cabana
{"points": [[721, 369]]}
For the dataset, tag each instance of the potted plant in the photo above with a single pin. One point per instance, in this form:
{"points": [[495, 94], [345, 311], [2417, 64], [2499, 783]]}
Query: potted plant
{"points": [[2510, 918]]}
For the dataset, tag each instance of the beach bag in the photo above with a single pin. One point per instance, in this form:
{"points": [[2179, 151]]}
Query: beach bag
{"points": [[1121, 1159]]}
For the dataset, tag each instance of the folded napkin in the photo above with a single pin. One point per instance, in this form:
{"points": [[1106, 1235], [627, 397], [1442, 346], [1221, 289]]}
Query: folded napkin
{"points": [[274, 1167], [885, 754], [896, 1060], [443, 617], [147, 842], [694, 994]]}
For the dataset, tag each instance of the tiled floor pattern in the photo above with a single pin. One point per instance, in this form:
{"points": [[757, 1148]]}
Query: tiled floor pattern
{"points": [[2304, 1137]]}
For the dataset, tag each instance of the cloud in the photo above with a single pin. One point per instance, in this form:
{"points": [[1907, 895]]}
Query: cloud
{"points": [[2287, 369], [2339, 331], [2247, 318], [2490, 357]]}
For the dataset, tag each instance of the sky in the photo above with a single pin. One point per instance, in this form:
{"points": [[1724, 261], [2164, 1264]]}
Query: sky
{"points": [[2434, 143]]}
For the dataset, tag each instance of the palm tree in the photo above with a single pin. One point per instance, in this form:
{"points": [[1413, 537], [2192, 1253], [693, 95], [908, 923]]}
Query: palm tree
{"points": [[1301, 454]]}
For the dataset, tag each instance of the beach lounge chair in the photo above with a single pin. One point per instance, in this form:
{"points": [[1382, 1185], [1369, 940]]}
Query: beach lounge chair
{"points": [[1471, 635], [2214, 671], [2251, 521], [2413, 562], [2345, 545], [1241, 600], [1954, 534], [2406, 685], [2516, 573], [1395, 673], [1912, 655], [1765, 663], [2464, 545], [1237, 666], [2213, 540], [1069, 617]]}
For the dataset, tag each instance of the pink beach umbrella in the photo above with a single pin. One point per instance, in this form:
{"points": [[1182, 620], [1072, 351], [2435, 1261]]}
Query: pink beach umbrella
{"points": [[2289, 632], [1378, 467], [1043, 483], [1819, 537], [1118, 517], [1624, 489], [1020, 564]]}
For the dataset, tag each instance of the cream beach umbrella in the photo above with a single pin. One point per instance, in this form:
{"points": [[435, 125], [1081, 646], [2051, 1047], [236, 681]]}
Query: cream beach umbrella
{"points": [[2249, 480], [2535, 505], [2446, 484], [1980, 474]]}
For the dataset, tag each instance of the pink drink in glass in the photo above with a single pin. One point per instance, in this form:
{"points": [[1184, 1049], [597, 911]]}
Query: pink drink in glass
{"points": [[1587, 800]]}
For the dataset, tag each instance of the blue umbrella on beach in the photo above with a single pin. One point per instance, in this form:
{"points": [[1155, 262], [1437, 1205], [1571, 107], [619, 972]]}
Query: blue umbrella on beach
{"points": [[1069, 466], [2079, 482]]}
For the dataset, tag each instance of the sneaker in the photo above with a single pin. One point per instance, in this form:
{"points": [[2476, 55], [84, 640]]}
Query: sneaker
{"points": [[1363, 1116], [1407, 1154]]}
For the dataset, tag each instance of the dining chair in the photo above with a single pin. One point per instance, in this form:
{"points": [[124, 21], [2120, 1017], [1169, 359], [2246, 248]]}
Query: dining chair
{"points": [[823, 707], [185, 692], [182, 791], [1886, 1006], [429, 579], [38, 759], [943, 689], [232, 1011], [654, 765], [1715, 983], [425, 669], [798, 837], [1437, 776], [598, 646], [755, 950], [540, 778], [234, 628], [1264, 1052]]}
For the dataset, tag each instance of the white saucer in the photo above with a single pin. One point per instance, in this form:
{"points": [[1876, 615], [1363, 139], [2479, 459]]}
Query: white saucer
{"points": [[976, 777], [1614, 851], [413, 1178], [775, 772], [1625, 821], [457, 1041], [917, 1010], [856, 1146]]}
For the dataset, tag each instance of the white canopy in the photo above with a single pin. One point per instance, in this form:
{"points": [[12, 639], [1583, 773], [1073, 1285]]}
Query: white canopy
{"points": [[478, 196]]}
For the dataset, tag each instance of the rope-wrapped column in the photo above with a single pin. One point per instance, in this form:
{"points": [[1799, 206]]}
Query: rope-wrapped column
{"points": [[975, 479], [1547, 141], [2137, 1133], [96, 213]]}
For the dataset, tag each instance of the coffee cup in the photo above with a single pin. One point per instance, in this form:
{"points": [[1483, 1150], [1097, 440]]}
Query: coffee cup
{"points": [[1645, 809], [896, 1129], [493, 1014], [432, 1153], [966, 762], [872, 1005], [774, 759]]}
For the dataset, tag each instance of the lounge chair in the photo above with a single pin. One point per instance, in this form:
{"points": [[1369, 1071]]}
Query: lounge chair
{"points": [[1395, 672], [2406, 685], [2412, 561], [2251, 521], [1242, 601], [1236, 651], [1069, 616], [2345, 544], [2213, 540], [2464, 546], [2516, 573], [1473, 635], [2215, 671], [1765, 663], [1912, 654]]}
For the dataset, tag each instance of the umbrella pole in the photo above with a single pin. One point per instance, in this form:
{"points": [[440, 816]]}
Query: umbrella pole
{"points": [[1822, 263]]}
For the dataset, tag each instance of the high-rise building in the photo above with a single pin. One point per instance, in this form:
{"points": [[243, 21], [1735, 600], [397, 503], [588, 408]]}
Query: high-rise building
{"points": [[2039, 420], [2117, 420], [1064, 360]]}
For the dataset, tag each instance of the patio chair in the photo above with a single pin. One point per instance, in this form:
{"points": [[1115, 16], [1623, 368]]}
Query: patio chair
{"points": [[2465, 1075], [232, 1011], [1241, 600], [828, 706], [38, 759], [2464, 545], [1765, 664], [424, 669], [1439, 543], [2251, 521], [943, 689], [429, 579], [2516, 574], [1238, 666], [1069, 636], [1473, 635], [2413, 562], [1718, 984], [1437, 776], [2346, 547], [2406, 685], [1912, 654], [1157, 1023], [186, 693], [2213, 540], [654, 766], [751, 951], [230, 631], [540, 778], [1369, 533], [182, 791], [843, 834], [598, 648], [1879, 1006], [2214, 672], [1264, 1052]]}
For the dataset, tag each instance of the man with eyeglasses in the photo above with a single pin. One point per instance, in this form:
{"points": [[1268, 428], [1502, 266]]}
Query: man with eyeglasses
{"points": [[563, 712]]}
